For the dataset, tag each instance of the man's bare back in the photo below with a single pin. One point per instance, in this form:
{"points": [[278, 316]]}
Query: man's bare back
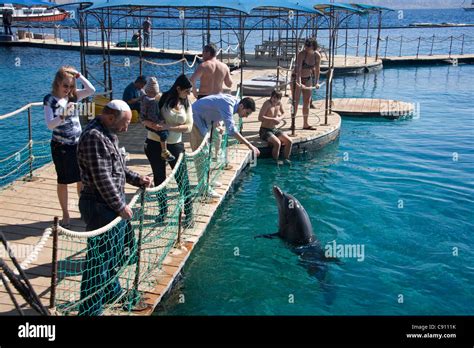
{"points": [[212, 75]]}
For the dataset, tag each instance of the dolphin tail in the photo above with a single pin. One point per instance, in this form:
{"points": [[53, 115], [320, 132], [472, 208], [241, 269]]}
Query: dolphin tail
{"points": [[269, 236]]}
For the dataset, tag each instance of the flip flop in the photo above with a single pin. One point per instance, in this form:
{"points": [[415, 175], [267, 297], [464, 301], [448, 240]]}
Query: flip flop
{"points": [[309, 128]]}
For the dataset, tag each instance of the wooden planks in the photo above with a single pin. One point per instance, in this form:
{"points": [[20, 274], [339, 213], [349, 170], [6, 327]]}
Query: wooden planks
{"points": [[367, 107]]}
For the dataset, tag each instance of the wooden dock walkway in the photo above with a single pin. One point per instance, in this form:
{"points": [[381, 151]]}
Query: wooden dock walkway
{"points": [[96, 48], [28, 208], [342, 65], [428, 60], [366, 107]]}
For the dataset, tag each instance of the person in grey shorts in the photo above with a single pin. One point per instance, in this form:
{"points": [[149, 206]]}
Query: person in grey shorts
{"points": [[271, 114]]}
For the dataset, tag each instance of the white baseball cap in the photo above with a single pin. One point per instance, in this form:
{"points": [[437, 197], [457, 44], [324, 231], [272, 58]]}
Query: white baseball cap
{"points": [[119, 105]]}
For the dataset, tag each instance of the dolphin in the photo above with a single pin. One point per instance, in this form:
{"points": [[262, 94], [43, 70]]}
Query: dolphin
{"points": [[295, 228]]}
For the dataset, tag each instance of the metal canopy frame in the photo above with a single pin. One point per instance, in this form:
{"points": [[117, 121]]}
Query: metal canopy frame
{"points": [[211, 10]]}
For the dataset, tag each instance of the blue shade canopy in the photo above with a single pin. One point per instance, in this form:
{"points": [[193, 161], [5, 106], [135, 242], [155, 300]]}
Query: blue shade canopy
{"points": [[296, 5], [29, 3], [371, 7], [245, 6], [325, 6], [238, 5]]}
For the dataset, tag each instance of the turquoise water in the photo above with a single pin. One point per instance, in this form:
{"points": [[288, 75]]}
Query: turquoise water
{"points": [[393, 186]]}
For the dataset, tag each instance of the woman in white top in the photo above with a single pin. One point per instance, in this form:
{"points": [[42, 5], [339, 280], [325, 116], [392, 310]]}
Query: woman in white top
{"points": [[176, 110], [61, 113]]}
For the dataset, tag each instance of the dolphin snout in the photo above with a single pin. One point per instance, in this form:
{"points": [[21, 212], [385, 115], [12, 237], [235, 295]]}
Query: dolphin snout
{"points": [[277, 192]]}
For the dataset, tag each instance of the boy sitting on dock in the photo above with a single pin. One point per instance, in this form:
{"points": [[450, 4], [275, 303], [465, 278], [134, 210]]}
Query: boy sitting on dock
{"points": [[150, 110], [271, 114]]}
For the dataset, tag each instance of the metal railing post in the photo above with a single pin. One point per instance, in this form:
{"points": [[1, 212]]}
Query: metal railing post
{"points": [[30, 143], [370, 46], [139, 242], [462, 45], [418, 48], [401, 43], [450, 46], [180, 226], [432, 44], [386, 46], [54, 268], [366, 48]]}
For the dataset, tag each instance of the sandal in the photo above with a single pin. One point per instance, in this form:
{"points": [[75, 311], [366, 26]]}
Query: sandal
{"points": [[309, 128], [167, 156]]}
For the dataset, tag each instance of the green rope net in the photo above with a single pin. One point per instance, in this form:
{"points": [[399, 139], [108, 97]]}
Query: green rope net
{"points": [[106, 272]]}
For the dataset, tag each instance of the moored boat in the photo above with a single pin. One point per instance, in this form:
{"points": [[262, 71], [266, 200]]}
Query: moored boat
{"points": [[34, 14]]}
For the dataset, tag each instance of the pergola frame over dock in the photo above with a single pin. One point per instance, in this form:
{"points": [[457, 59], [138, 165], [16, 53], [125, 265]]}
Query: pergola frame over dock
{"points": [[295, 16]]}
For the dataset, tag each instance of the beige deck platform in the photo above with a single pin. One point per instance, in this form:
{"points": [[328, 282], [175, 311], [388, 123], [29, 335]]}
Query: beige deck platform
{"points": [[349, 64], [94, 46], [342, 65], [366, 107], [427, 59]]}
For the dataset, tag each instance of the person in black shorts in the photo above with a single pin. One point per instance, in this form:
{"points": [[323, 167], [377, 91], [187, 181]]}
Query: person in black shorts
{"points": [[271, 114], [61, 114]]}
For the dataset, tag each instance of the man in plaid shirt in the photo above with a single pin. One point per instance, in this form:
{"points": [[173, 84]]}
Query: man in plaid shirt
{"points": [[103, 174]]}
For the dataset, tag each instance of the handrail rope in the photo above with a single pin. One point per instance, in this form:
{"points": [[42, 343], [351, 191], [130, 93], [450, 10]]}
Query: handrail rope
{"points": [[203, 143], [36, 250], [168, 178], [99, 231], [125, 65], [100, 64], [23, 108], [95, 79], [16, 153]]}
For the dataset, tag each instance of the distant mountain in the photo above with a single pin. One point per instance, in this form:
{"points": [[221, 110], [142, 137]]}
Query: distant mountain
{"points": [[412, 4]]}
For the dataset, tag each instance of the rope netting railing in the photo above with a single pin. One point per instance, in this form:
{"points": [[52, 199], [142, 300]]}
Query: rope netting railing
{"points": [[106, 271], [19, 155]]}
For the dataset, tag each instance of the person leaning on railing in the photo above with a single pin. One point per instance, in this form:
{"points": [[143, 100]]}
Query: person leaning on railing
{"points": [[104, 173], [209, 111], [62, 117]]}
